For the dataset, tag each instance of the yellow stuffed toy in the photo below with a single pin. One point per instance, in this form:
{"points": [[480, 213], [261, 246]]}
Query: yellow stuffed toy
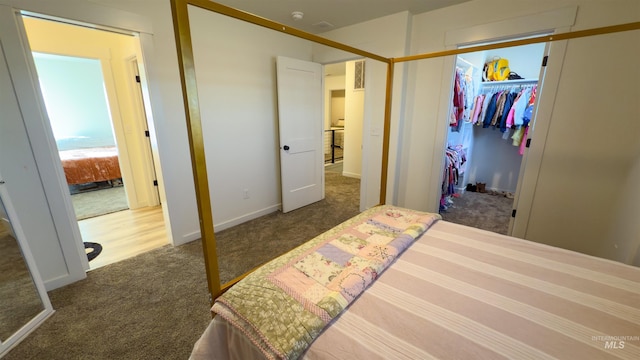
{"points": [[497, 70]]}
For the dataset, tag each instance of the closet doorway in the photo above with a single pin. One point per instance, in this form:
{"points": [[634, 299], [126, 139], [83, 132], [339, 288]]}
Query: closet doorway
{"points": [[92, 94], [491, 116]]}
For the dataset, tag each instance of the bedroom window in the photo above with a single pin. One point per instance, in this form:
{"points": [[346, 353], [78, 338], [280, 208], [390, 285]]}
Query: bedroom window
{"points": [[358, 78]]}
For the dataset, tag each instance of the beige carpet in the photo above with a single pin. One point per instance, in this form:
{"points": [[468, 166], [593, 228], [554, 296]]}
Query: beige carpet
{"points": [[482, 211], [19, 299], [155, 305], [248, 245]]}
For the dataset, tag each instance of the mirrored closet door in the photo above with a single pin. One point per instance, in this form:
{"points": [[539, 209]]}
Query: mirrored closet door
{"points": [[24, 303]]}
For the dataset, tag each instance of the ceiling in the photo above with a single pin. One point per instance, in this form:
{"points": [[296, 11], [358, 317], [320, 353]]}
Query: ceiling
{"points": [[338, 13]]}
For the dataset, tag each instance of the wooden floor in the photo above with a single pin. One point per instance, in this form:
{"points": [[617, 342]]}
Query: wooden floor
{"points": [[124, 234]]}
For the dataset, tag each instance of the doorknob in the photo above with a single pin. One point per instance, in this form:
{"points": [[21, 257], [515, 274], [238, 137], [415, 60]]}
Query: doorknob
{"points": [[286, 147]]}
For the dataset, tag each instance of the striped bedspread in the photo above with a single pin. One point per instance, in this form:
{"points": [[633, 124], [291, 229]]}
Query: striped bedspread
{"points": [[285, 304], [463, 293]]}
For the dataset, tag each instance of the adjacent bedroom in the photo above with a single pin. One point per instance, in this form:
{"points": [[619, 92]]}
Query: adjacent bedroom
{"points": [[91, 88], [74, 94]]}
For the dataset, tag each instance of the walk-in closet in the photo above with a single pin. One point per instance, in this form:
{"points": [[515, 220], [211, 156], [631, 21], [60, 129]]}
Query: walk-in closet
{"points": [[492, 113]]}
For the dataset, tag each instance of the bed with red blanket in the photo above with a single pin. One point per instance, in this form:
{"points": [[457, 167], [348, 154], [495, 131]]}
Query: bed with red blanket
{"points": [[90, 165]]}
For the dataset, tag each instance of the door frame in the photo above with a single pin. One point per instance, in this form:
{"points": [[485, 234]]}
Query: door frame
{"points": [[523, 160], [555, 21], [142, 124]]}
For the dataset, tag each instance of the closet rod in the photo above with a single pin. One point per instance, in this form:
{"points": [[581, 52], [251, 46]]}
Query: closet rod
{"points": [[509, 82]]}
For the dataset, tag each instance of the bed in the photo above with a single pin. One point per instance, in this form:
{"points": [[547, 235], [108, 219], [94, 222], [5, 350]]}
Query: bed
{"points": [[454, 292], [89, 165]]}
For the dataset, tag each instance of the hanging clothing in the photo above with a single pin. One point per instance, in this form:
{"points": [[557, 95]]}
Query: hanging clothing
{"points": [[523, 142], [455, 157], [510, 98], [491, 110], [458, 100], [477, 109], [463, 99], [499, 108], [506, 109]]}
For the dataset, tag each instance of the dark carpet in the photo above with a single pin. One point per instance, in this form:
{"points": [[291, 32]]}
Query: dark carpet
{"points": [[155, 305], [19, 299], [481, 210], [253, 243], [149, 307]]}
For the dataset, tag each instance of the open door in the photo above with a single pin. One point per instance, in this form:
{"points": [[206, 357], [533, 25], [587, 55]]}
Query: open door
{"points": [[300, 120], [24, 303]]}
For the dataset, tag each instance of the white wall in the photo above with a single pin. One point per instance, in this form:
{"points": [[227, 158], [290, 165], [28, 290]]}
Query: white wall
{"points": [[332, 82], [238, 103], [180, 208], [584, 190], [353, 125], [337, 110], [387, 36], [572, 208], [494, 160], [626, 224]]}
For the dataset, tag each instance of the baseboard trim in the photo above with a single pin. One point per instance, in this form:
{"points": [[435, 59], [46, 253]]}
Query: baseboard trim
{"points": [[244, 218], [351, 175], [231, 223], [63, 280], [7, 225], [189, 237], [462, 190]]}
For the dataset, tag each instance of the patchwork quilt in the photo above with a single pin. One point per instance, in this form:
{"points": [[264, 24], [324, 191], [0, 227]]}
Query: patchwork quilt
{"points": [[318, 280]]}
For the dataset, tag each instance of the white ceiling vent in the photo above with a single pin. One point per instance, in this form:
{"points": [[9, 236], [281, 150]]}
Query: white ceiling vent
{"points": [[323, 25]]}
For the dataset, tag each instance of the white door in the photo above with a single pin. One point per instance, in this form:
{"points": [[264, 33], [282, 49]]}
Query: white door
{"points": [[300, 120]]}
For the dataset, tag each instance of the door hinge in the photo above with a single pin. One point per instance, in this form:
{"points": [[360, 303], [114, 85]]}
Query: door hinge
{"points": [[513, 213], [137, 78], [146, 133], [155, 182], [544, 60], [528, 142]]}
